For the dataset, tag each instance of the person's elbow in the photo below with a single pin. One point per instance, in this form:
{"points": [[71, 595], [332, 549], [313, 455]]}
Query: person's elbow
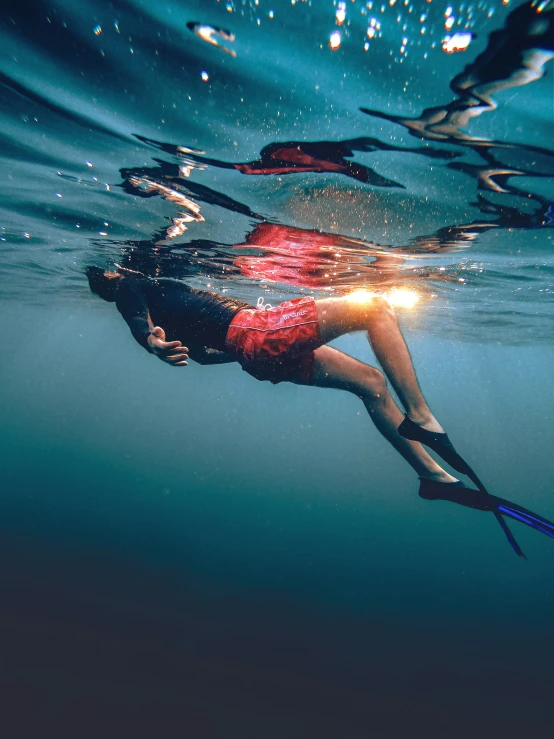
{"points": [[203, 359], [210, 357]]}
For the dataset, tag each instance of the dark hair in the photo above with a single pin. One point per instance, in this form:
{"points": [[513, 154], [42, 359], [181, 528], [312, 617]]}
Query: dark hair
{"points": [[100, 284]]}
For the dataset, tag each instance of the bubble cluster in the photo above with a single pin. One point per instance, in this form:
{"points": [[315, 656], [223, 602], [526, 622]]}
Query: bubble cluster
{"points": [[404, 23]]}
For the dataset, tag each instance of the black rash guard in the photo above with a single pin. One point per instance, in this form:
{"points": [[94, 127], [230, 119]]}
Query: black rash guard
{"points": [[197, 318]]}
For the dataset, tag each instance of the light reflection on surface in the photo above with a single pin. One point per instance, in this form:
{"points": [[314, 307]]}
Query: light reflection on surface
{"points": [[362, 296], [208, 33], [456, 42], [335, 40], [399, 297]]}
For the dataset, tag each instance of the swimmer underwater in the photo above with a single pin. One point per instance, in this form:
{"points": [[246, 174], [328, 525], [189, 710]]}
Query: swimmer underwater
{"points": [[288, 343]]}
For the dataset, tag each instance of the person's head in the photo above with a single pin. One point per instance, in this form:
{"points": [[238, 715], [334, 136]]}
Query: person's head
{"points": [[103, 282]]}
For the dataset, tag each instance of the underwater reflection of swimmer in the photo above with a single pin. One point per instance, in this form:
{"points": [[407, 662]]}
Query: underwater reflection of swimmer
{"points": [[167, 182], [289, 343], [453, 238], [293, 157], [305, 258], [313, 259], [310, 258], [288, 255], [515, 56]]}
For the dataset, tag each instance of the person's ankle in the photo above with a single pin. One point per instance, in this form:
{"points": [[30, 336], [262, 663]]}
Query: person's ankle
{"points": [[419, 416], [426, 420]]}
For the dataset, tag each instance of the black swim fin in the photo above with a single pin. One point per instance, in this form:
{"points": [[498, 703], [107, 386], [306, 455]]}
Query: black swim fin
{"points": [[441, 444], [511, 538], [457, 492]]}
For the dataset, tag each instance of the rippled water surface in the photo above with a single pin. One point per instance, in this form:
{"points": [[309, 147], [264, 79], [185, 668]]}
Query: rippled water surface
{"points": [[270, 147]]}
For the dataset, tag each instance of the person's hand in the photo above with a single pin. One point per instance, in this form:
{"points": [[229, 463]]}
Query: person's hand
{"points": [[170, 352]]}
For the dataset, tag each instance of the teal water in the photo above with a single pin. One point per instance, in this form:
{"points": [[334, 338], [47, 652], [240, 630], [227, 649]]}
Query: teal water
{"points": [[209, 554], [194, 553]]}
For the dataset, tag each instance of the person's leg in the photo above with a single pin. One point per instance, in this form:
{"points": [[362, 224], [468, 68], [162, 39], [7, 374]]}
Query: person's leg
{"points": [[334, 369], [338, 316]]}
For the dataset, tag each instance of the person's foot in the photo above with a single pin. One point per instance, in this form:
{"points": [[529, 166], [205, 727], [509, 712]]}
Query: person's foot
{"points": [[439, 490], [439, 442]]}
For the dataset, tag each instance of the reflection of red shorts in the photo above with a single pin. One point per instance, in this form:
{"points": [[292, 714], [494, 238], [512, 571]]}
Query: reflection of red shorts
{"points": [[276, 343]]}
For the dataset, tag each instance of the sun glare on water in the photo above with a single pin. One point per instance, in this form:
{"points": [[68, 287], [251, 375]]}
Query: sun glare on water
{"points": [[400, 298], [362, 296]]}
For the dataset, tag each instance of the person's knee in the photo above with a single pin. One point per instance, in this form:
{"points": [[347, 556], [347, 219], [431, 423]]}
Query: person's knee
{"points": [[374, 384], [381, 309]]}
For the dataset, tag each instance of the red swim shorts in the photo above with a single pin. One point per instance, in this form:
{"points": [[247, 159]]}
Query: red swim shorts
{"points": [[278, 343]]}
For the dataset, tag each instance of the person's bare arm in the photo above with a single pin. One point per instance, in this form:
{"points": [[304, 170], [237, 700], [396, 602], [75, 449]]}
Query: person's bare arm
{"points": [[133, 306]]}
